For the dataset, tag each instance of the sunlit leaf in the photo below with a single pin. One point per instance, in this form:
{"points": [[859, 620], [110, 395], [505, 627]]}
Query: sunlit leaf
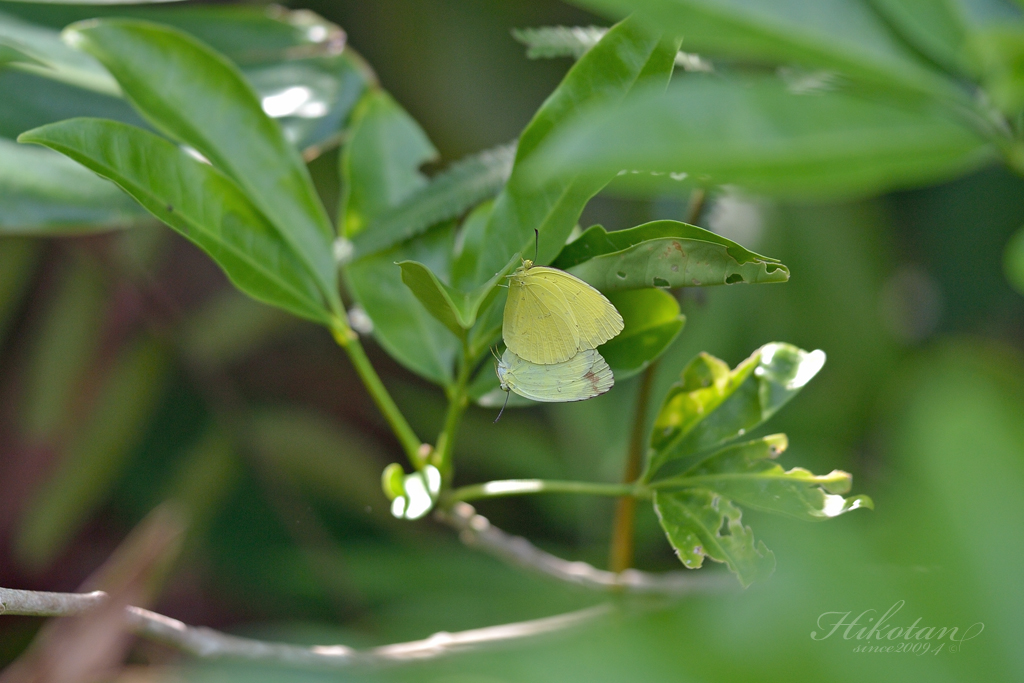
{"points": [[746, 474], [700, 523], [712, 404], [196, 200]]}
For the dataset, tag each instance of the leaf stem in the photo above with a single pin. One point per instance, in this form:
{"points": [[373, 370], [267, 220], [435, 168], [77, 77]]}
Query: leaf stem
{"points": [[458, 401], [620, 552], [520, 487], [414, 448]]}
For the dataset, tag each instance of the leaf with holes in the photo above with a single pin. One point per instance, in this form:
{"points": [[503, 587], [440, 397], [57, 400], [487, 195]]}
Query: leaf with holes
{"points": [[700, 523]]}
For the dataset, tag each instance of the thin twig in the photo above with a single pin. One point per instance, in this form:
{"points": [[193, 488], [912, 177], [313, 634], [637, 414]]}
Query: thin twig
{"points": [[207, 643], [476, 531]]}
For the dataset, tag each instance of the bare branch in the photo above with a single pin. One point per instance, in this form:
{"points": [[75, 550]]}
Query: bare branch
{"points": [[207, 643], [40, 604], [476, 531]]}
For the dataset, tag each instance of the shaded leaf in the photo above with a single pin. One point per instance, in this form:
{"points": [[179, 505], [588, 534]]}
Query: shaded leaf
{"points": [[18, 259], [664, 254], [712, 404], [453, 307], [835, 34], [43, 52], [1013, 261], [627, 54], [700, 523], [43, 193], [379, 168], [62, 351], [196, 96], [757, 133], [448, 195], [197, 201], [935, 27], [746, 474], [652, 322], [96, 456]]}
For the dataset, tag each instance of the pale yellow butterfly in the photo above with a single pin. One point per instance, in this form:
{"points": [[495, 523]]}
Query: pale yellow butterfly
{"points": [[551, 315], [583, 376]]}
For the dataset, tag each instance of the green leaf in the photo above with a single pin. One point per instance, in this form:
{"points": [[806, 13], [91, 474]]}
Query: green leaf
{"points": [[196, 96], [62, 351], [664, 254], [41, 51], [935, 27], [700, 523], [999, 52], [1013, 261], [94, 2], [18, 260], [196, 200], [31, 100], [379, 169], [311, 98], [627, 54], [421, 490], [448, 195], [653, 322], [97, 454], [712, 404], [546, 42], [381, 162], [746, 474], [757, 133], [833, 34], [453, 307], [43, 193]]}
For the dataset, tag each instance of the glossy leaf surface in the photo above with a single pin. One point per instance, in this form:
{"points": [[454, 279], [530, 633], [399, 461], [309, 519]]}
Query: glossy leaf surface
{"points": [[747, 474], [196, 96], [712, 404], [196, 200]]}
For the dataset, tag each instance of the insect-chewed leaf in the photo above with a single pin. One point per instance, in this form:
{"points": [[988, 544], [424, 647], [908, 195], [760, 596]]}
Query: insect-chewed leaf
{"points": [[551, 315], [583, 376]]}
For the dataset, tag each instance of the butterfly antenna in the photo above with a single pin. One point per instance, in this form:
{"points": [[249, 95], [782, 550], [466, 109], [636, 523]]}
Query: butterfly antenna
{"points": [[536, 244], [502, 407]]}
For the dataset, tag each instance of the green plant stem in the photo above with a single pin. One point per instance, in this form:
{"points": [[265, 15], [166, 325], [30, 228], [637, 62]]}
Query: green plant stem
{"points": [[520, 487], [620, 552], [458, 401], [411, 444]]}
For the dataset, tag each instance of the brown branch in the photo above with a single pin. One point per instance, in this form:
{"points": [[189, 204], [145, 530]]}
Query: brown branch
{"points": [[207, 643], [476, 531]]}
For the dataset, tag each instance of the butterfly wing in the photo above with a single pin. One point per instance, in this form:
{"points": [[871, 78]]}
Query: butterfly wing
{"points": [[597, 320], [583, 376], [538, 324]]}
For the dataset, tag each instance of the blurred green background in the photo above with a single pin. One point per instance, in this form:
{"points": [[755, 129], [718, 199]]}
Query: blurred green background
{"points": [[115, 346]]}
